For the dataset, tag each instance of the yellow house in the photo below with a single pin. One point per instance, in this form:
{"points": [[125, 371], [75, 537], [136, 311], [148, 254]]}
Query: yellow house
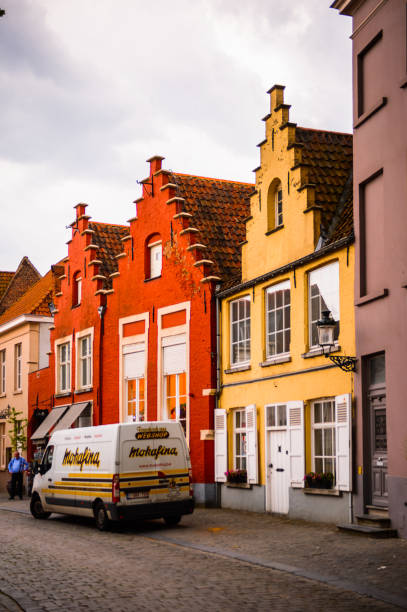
{"points": [[285, 409]]}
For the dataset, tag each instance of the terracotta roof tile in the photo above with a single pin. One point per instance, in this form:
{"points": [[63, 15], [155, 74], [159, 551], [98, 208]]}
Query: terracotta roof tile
{"points": [[34, 301], [219, 208], [329, 156], [108, 238], [5, 278]]}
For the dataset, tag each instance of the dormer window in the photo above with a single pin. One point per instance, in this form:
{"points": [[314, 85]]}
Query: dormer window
{"points": [[76, 289], [275, 206], [154, 252]]}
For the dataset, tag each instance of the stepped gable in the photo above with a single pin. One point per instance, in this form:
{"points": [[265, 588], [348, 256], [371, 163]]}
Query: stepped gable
{"points": [[23, 278], [219, 208], [329, 159], [5, 279], [36, 299], [108, 237]]}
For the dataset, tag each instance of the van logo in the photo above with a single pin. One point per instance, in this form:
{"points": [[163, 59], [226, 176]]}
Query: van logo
{"points": [[152, 452], [87, 457], [152, 435]]}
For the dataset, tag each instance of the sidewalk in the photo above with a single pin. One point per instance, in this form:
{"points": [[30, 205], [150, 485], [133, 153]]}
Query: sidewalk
{"points": [[377, 568]]}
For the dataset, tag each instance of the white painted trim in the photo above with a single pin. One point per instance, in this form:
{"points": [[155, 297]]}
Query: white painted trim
{"points": [[172, 331], [123, 341], [89, 331], [57, 343], [24, 319]]}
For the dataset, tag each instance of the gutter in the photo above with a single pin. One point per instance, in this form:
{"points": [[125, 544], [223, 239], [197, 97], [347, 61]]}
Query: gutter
{"points": [[25, 319]]}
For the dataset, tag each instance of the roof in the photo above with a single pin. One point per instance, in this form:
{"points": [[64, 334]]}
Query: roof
{"points": [[218, 208], [329, 158], [23, 278], [5, 278], [34, 301], [108, 238]]}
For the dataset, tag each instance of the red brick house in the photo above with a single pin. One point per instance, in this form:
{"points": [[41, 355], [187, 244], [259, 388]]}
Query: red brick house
{"points": [[135, 326]]}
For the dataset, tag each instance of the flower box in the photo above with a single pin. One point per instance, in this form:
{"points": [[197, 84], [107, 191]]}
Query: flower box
{"points": [[236, 476], [319, 480]]}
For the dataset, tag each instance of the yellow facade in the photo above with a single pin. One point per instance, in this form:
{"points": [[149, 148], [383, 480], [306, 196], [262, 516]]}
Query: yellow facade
{"points": [[284, 249]]}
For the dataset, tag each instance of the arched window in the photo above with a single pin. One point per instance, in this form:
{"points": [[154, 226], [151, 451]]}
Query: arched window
{"points": [[275, 205], [153, 256], [76, 289]]}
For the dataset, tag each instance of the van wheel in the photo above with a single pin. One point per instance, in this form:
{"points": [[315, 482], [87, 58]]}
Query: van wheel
{"points": [[102, 521], [36, 508], [171, 521]]}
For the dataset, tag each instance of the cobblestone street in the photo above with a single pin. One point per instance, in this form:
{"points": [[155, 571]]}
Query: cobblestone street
{"points": [[215, 559]]}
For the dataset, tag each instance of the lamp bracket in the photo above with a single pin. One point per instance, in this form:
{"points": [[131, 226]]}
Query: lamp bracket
{"points": [[347, 364]]}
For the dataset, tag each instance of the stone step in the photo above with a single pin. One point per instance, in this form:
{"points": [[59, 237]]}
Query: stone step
{"points": [[378, 510], [373, 520], [374, 532]]}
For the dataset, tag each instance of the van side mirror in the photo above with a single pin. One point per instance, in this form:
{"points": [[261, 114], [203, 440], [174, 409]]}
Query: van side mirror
{"points": [[42, 469]]}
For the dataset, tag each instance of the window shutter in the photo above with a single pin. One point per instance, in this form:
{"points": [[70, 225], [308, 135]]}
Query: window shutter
{"points": [[174, 359], [221, 445], [134, 360], [343, 417], [252, 455], [296, 442]]}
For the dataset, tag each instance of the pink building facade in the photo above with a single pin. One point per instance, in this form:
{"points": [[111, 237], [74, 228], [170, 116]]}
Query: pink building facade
{"points": [[380, 196]]}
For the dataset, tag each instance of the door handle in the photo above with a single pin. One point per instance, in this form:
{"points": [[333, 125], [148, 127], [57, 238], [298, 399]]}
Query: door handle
{"points": [[49, 479], [280, 470], [270, 465]]}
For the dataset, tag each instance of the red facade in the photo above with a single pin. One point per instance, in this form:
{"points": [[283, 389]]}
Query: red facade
{"points": [[135, 327]]}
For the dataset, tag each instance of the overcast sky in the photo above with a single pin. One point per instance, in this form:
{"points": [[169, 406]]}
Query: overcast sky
{"points": [[92, 88]]}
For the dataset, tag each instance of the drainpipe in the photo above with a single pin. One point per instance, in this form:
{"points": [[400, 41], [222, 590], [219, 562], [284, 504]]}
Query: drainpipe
{"points": [[101, 313], [218, 486]]}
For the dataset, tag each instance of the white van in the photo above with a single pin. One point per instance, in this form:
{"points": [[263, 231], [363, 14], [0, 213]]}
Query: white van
{"points": [[114, 472]]}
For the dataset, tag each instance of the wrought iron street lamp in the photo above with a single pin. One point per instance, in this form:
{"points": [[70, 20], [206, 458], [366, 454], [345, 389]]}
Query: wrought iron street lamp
{"points": [[326, 330]]}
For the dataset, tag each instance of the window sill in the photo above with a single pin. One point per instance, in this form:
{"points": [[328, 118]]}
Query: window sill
{"points": [[3, 395], [79, 391], [317, 351], [329, 492], [371, 297], [17, 392], [372, 111], [75, 306], [63, 394], [234, 369], [147, 280], [403, 83], [275, 361], [238, 485], [272, 231]]}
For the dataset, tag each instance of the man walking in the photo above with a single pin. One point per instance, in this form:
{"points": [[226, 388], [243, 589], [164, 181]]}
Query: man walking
{"points": [[16, 467]]}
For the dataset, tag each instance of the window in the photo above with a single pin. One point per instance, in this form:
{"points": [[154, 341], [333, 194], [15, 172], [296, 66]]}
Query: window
{"points": [[175, 378], [85, 362], [370, 63], [85, 418], [278, 319], [64, 367], [240, 331], [372, 215], [323, 295], [76, 289], [3, 372], [155, 259], [240, 436], [17, 367], [277, 416], [275, 206], [134, 371], [324, 443]]}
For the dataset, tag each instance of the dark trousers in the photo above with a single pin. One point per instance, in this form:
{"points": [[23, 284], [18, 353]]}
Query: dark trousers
{"points": [[17, 484]]}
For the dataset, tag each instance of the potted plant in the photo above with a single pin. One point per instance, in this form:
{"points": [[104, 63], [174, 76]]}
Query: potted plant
{"points": [[236, 476], [319, 480]]}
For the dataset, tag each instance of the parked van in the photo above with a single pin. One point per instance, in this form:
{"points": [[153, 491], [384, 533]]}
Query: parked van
{"points": [[114, 472]]}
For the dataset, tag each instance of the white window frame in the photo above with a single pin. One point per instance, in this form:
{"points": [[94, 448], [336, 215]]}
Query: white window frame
{"points": [[58, 344], [278, 206], [128, 349], [283, 286], [155, 247], [79, 337], [334, 265], [240, 458], [163, 336], [125, 341], [323, 426], [235, 323], [3, 372], [78, 290], [2, 446], [18, 362]]}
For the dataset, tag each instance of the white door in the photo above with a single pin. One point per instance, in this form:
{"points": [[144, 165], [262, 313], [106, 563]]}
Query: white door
{"points": [[278, 471]]}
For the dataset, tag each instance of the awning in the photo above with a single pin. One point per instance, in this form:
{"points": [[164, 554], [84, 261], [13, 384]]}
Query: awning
{"points": [[75, 411], [49, 421]]}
